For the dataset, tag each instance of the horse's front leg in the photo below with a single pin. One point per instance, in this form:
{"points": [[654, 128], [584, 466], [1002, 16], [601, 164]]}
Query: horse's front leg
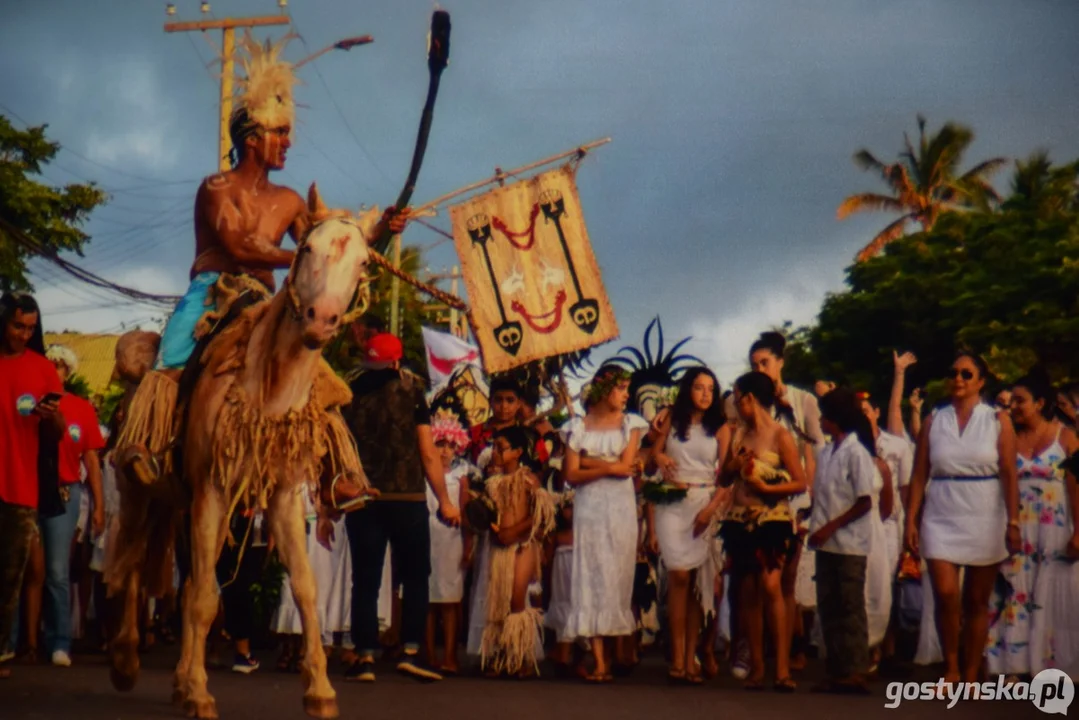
{"points": [[201, 599], [124, 648], [187, 642], [287, 525]]}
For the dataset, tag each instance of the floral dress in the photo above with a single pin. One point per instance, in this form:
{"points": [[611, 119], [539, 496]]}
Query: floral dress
{"points": [[1034, 612]]}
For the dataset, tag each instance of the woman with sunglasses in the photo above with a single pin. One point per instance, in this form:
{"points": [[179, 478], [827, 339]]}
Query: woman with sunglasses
{"points": [[964, 489]]}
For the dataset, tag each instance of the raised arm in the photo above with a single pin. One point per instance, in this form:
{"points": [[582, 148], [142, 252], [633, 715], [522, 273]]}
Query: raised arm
{"points": [[895, 401]]}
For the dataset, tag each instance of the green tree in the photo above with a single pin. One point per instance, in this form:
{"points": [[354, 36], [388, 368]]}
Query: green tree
{"points": [[924, 182], [1004, 284], [50, 216]]}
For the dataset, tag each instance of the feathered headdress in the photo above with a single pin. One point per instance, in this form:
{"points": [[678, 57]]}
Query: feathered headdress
{"points": [[265, 92], [446, 426]]}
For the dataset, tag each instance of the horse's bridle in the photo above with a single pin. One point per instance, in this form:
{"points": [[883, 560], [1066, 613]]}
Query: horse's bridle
{"points": [[361, 298]]}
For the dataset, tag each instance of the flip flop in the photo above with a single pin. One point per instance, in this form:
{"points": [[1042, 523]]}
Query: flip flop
{"points": [[676, 677], [784, 685]]}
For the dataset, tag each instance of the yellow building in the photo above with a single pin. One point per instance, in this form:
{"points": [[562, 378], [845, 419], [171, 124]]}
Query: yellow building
{"points": [[96, 354]]}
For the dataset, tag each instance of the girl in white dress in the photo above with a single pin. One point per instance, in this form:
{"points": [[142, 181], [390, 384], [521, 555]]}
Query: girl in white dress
{"points": [[331, 565], [691, 439], [966, 456], [601, 455], [446, 585], [1034, 624]]}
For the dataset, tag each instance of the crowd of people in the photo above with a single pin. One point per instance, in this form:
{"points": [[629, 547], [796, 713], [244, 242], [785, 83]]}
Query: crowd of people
{"points": [[763, 522]]}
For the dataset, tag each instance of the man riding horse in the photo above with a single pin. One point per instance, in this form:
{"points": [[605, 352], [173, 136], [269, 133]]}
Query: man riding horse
{"points": [[240, 222]]}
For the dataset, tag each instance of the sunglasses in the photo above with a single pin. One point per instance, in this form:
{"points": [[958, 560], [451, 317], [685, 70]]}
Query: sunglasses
{"points": [[961, 373]]}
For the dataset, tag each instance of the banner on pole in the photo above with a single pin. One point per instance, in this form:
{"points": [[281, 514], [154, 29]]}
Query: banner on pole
{"points": [[445, 354], [533, 282]]}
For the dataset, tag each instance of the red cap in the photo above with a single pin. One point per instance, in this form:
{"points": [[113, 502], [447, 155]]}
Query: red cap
{"points": [[384, 348]]}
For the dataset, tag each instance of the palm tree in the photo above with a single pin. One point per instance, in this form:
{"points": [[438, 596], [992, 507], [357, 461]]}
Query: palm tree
{"points": [[924, 182]]}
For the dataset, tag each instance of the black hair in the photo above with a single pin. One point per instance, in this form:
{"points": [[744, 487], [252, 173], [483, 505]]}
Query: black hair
{"points": [[979, 362], [523, 439], [241, 127], [10, 303], [772, 341], [505, 383], [1037, 383], [843, 408], [759, 386], [712, 419]]}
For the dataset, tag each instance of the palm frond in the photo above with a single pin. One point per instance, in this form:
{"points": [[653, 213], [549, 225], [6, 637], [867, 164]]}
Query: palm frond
{"points": [[868, 161], [885, 236], [983, 169], [863, 202]]}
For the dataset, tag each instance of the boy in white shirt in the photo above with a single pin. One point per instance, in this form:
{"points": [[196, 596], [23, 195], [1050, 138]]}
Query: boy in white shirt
{"points": [[841, 534]]}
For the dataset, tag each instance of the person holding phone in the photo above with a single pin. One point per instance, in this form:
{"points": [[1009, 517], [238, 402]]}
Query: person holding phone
{"points": [[26, 409]]}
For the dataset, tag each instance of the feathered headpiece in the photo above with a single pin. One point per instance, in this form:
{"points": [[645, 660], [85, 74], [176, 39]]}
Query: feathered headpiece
{"points": [[446, 426], [265, 92]]}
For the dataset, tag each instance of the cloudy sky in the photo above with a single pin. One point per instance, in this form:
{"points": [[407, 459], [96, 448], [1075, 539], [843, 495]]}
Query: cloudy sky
{"points": [[733, 126]]}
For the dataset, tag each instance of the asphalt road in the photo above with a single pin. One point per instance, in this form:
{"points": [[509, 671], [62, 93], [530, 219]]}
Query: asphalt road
{"points": [[83, 692]]}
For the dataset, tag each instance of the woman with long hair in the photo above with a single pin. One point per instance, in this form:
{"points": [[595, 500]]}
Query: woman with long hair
{"points": [[1033, 623], [965, 492], [691, 441], [758, 533], [799, 412], [600, 463]]}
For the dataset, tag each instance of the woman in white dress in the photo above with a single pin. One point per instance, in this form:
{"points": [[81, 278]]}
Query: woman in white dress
{"points": [[331, 565], [799, 412], [1034, 624], [691, 440], [600, 463], [966, 456]]}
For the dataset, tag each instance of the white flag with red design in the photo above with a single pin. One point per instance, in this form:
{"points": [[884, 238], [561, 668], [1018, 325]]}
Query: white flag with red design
{"points": [[446, 353]]}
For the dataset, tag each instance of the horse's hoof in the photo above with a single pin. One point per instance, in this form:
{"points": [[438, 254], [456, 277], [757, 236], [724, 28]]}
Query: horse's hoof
{"points": [[320, 707], [179, 697], [124, 667], [201, 709]]}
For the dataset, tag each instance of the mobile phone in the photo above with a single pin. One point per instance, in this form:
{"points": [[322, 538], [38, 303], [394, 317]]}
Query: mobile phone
{"points": [[50, 398]]}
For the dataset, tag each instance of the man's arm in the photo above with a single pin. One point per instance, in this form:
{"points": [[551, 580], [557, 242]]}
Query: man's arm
{"points": [[93, 478], [235, 227]]}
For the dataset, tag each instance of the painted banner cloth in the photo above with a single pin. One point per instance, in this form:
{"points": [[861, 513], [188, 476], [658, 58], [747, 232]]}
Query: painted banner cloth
{"points": [[532, 279]]}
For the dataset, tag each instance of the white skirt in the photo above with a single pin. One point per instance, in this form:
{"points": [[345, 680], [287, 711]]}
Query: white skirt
{"points": [[879, 574], [333, 588], [680, 550], [964, 522], [446, 583], [561, 579]]}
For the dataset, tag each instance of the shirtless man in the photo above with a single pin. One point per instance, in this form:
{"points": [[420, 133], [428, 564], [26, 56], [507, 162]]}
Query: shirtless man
{"points": [[240, 222]]}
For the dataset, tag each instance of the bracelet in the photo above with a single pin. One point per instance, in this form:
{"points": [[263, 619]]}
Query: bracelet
{"points": [[1013, 523]]}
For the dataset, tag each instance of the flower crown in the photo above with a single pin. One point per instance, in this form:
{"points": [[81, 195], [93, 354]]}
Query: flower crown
{"points": [[447, 427]]}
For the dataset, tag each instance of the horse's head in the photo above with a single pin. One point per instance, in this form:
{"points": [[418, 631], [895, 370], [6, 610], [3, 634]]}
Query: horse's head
{"points": [[329, 265]]}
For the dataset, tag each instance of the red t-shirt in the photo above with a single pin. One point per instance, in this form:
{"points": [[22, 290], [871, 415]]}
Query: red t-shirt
{"points": [[82, 434], [24, 380]]}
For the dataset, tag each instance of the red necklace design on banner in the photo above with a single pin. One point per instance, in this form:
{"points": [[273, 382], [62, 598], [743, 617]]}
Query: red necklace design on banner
{"points": [[511, 235], [546, 323]]}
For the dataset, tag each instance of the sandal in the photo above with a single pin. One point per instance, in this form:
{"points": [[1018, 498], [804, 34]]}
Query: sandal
{"points": [[694, 679], [784, 685], [676, 677]]}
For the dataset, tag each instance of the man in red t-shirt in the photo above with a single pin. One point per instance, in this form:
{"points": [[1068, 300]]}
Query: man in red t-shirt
{"points": [[27, 381], [79, 448]]}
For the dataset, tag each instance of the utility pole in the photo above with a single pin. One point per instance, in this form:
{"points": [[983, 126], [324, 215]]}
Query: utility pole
{"points": [[227, 26]]}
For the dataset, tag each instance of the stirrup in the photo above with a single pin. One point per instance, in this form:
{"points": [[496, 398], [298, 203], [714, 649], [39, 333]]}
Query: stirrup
{"points": [[355, 503]]}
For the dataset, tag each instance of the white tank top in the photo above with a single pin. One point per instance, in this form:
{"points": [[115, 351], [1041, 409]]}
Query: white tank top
{"points": [[972, 455], [697, 457]]}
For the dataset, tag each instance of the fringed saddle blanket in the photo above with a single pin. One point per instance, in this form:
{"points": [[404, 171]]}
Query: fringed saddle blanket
{"points": [[250, 449]]}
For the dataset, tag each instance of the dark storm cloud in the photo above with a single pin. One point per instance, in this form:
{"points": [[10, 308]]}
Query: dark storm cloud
{"points": [[733, 123]]}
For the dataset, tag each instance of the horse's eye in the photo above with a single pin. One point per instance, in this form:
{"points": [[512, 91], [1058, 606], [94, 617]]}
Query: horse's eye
{"points": [[305, 249]]}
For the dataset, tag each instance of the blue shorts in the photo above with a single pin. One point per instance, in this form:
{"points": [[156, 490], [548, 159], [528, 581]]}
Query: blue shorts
{"points": [[178, 340]]}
